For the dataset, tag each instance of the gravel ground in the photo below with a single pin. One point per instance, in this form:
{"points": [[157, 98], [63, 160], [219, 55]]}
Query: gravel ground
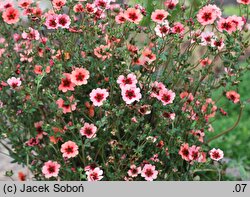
{"points": [[6, 165]]}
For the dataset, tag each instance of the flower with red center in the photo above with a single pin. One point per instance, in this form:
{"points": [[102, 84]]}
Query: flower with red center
{"points": [[206, 38], [194, 153], [78, 8], [149, 172], [6, 4], [147, 56], [218, 43], [98, 96], [159, 16], [66, 83], [38, 69], [238, 21], [134, 171], [51, 169], [11, 15], [31, 35], [205, 62], [178, 28], [14, 82], [131, 94], [145, 109], [95, 174], [226, 24], [90, 8], [102, 4], [162, 29], [245, 2], [233, 96], [63, 21], [88, 130], [69, 149], [24, 3], [166, 96], [39, 129], [32, 142], [58, 4], [208, 14], [133, 15], [216, 154], [79, 76], [129, 80], [170, 116], [156, 88], [68, 106], [120, 18], [51, 21], [198, 133], [170, 4], [184, 152]]}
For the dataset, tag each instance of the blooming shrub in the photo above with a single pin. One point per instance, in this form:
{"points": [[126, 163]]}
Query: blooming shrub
{"points": [[87, 93]]}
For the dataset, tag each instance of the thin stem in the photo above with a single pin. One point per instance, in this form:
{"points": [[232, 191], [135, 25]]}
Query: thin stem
{"points": [[228, 130]]}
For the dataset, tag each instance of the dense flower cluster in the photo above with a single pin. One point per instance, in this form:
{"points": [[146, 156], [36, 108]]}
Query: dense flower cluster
{"points": [[90, 94]]}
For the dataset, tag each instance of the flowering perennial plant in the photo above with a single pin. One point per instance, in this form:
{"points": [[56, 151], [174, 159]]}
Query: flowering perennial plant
{"points": [[87, 93]]}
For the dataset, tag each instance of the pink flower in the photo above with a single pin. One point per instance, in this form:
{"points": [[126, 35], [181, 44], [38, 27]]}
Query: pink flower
{"points": [[11, 15], [63, 21], [205, 62], [226, 24], [216, 154], [233, 96], [218, 43], [88, 130], [194, 153], [98, 96], [120, 18], [238, 21], [184, 152], [156, 88], [94, 175], [69, 149], [102, 4], [24, 3], [38, 69], [66, 83], [79, 76], [129, 80], [102, 52], [149, 172], [39, 129], [51, 169], [6, 4], [31, 35], [208, 14], [245, 2], [178, 28], [147, 56], [159, 16], [131, 94], [78, 8], [133, 15], [134, 171], [14, 82], [58, 4], [51, 21], [66, 107], [166, 96], [170, 4], [207, 38], [162, 29]]}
